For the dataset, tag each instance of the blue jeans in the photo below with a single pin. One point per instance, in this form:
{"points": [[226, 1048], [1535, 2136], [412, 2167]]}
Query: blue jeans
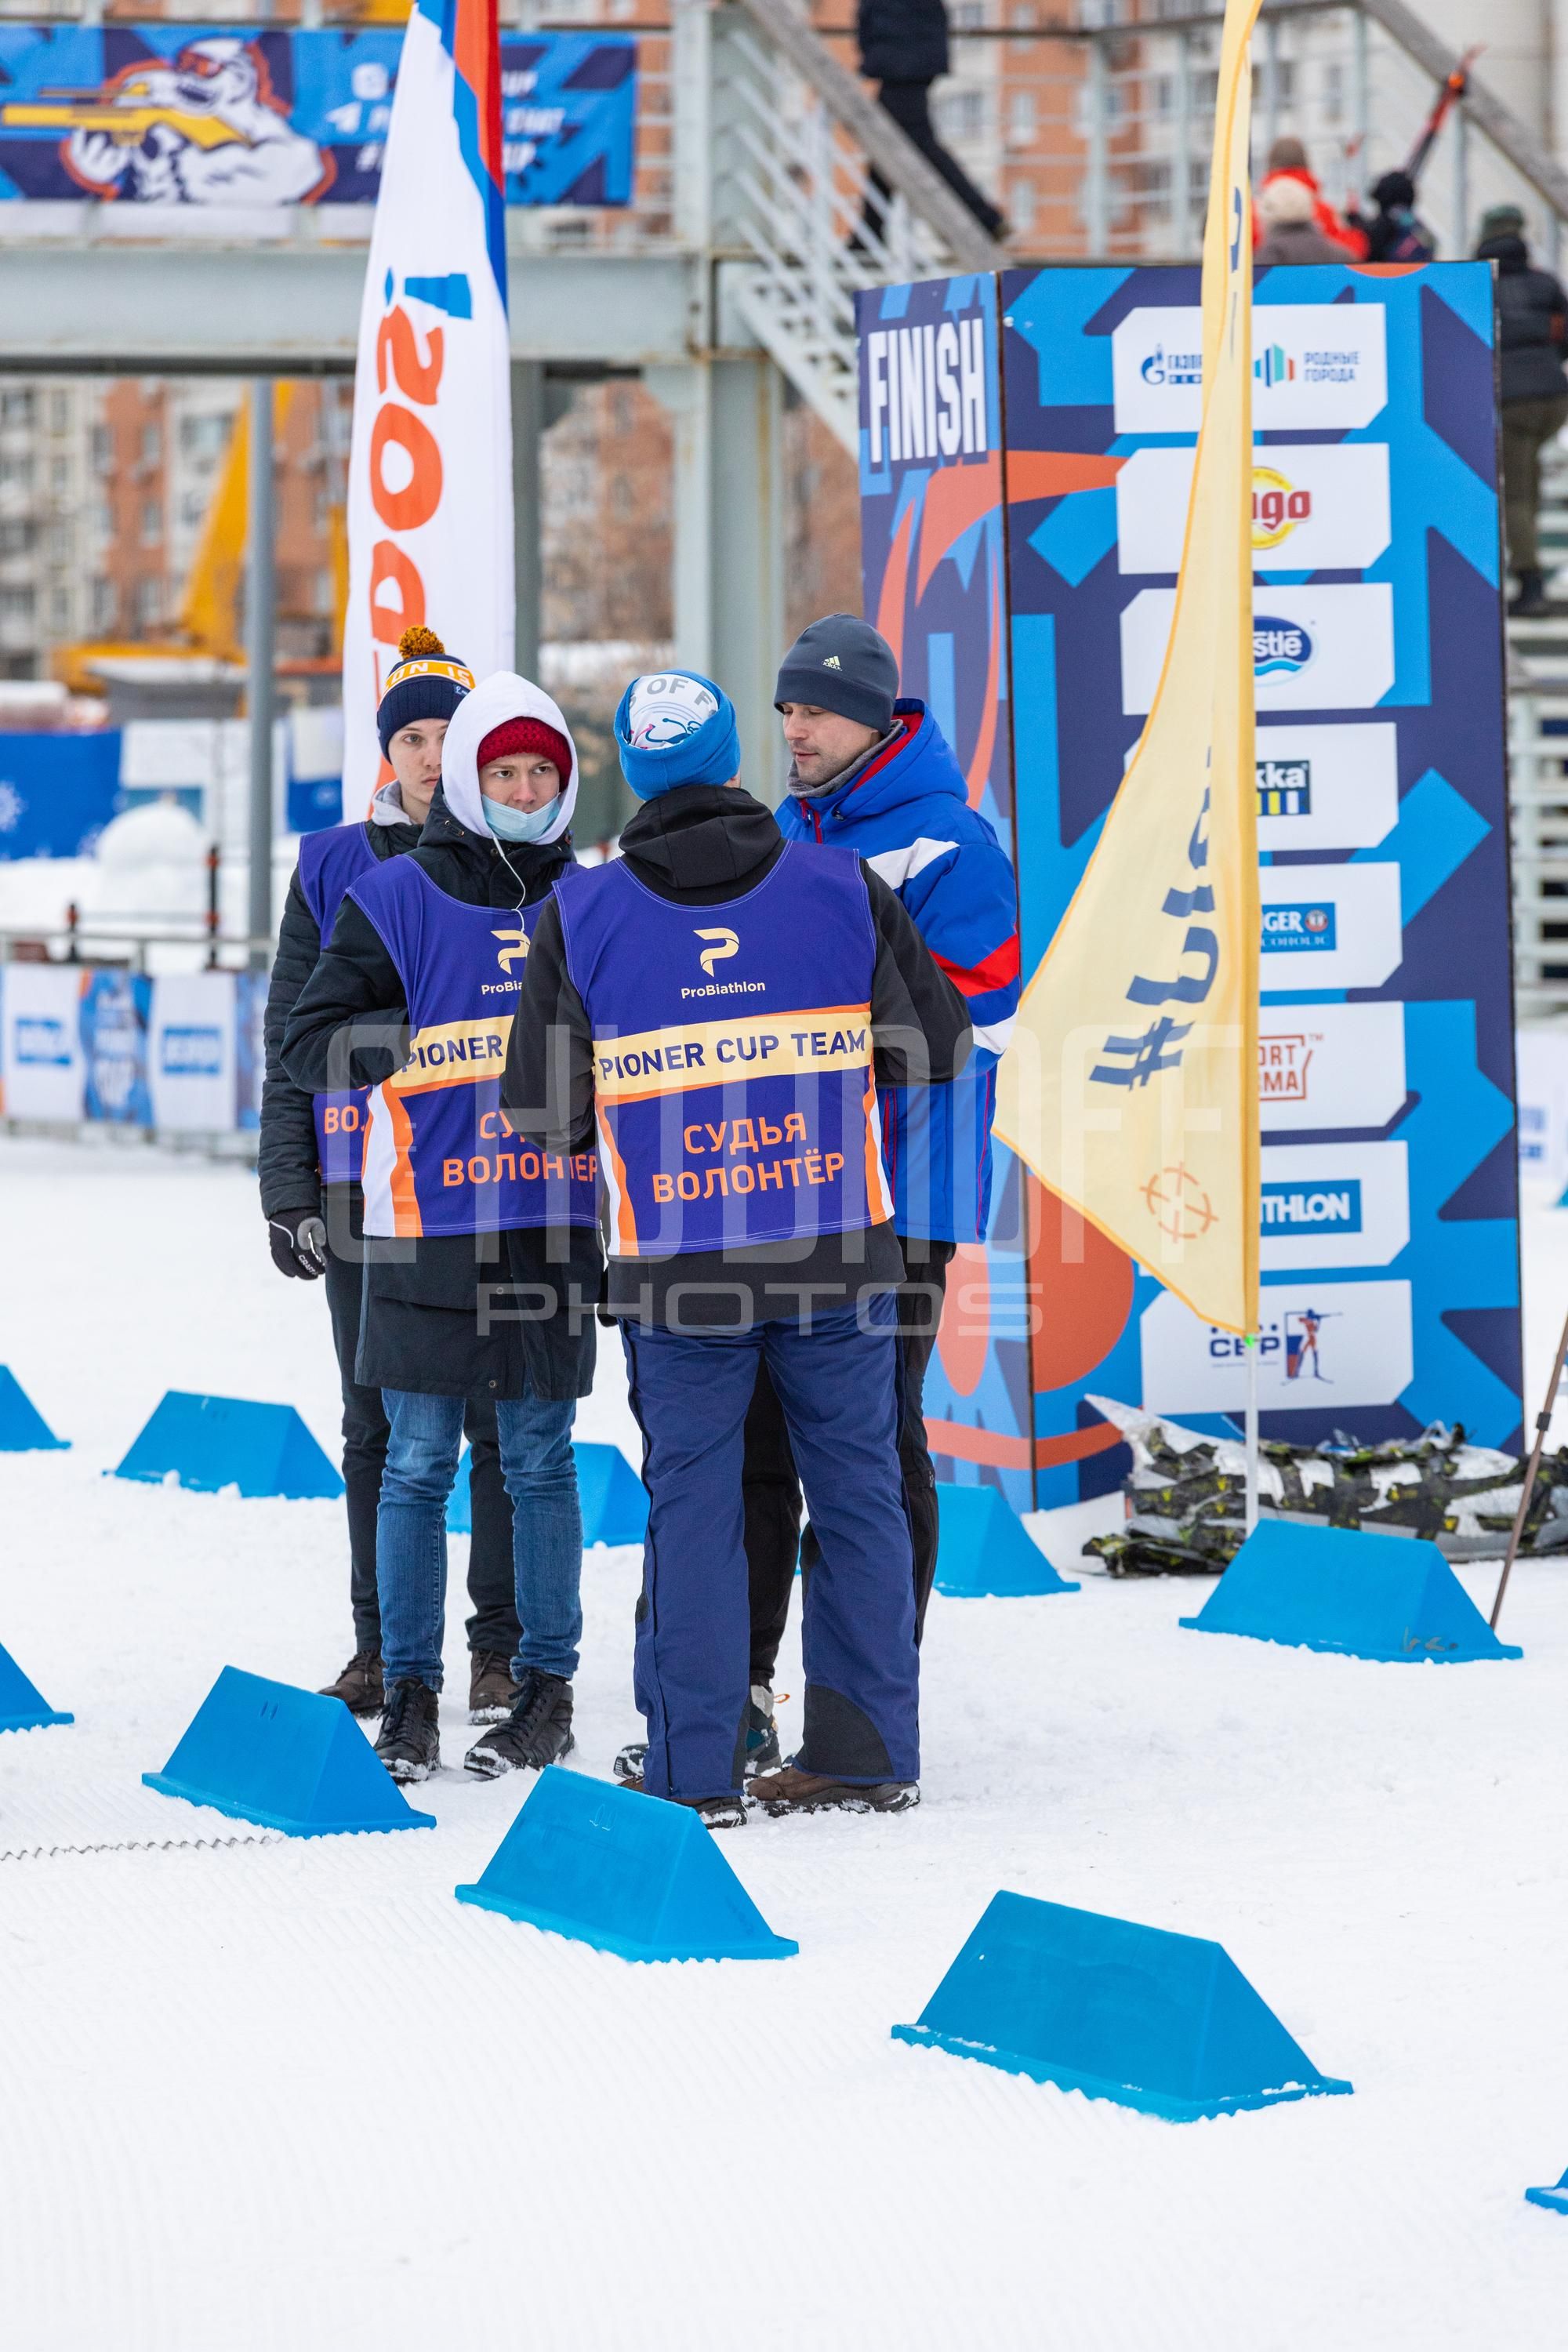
{"points": [[540, 1474], [840, 1387]]}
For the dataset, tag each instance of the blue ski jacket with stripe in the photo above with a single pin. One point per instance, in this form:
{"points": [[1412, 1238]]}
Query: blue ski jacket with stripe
{"points": [[907, 815]]}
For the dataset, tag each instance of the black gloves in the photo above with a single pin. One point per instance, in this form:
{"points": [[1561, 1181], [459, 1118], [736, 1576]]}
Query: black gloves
{"points": [[299, 1243]]}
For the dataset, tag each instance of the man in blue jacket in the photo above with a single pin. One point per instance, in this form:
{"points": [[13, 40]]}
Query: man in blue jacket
{"points": [[872, 773]]}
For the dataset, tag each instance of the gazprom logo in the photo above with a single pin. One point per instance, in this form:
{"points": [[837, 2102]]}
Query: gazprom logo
{"points": [[1278, 646], [1294, 930], [1172, 367], [1331, 1208]]}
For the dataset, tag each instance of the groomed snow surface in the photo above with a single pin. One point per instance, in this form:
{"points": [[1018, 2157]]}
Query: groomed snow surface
{"points": [[259, 2092]]}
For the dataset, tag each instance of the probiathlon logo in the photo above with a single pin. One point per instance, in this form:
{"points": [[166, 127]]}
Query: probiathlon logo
{"points": [[724, 944], [1278, 645], [513, 949], [1295, 931]]}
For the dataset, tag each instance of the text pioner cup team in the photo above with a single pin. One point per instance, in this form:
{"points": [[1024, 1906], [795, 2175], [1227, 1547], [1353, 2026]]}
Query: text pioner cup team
{"points": [[750, 1062]]}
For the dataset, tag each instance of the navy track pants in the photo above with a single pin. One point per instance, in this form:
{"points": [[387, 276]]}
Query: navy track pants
{"points": [[839, 1385]]}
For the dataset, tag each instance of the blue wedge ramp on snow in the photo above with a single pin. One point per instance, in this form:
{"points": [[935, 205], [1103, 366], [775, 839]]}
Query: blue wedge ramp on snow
{"points": [[459, 1505], [291, 1760], [623, 1872], [210, 1442], [23, 1429], [23, 1706], [1392, 1598], [1554, 2199], [984, 1547], [613, 1501], [1165, 2022]]}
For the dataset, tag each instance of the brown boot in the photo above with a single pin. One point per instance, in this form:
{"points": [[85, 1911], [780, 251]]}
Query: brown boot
{"points": [[492, 1694], [790, 1790], [359, 1685]]}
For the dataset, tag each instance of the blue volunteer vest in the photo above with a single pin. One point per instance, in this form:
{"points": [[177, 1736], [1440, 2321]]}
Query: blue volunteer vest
{"points": [[330, 862], [732, 1079], [441, 1157]]}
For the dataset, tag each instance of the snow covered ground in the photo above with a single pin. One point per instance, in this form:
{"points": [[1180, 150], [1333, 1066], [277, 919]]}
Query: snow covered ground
{"points": [[260, 2093]]}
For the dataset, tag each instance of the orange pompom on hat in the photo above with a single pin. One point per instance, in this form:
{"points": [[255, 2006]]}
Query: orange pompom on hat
{"points": [[424, 682]]}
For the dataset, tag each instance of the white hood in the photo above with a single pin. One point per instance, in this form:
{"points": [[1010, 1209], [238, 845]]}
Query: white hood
{"points": [[386, 804], [495, 698]]}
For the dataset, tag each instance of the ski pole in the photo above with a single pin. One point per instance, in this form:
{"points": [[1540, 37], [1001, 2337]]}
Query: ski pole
{"points": [[1543, 1422]]}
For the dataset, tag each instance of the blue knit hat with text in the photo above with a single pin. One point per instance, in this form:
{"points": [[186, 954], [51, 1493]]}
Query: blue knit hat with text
{"points": [[424, 682], [675, 726]]}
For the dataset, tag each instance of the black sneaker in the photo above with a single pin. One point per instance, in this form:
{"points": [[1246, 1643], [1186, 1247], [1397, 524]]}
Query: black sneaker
{"points": [[359, 1685], [537, 1732], [763, 1750], [409, 1742], [492, 1694]]}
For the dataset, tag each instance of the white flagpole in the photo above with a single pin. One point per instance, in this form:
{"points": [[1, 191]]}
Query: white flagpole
{"points": [[1253, 1351]]}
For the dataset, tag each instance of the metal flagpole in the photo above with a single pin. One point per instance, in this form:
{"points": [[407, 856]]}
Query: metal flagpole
{"points": [[1543, 1422], [260, 597]]}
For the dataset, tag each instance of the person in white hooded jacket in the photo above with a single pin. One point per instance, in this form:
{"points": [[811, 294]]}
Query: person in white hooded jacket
{"points": [[483, 1265]]}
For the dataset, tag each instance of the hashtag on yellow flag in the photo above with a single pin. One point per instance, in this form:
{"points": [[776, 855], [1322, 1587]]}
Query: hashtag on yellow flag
{"points": [[1130, 1086]]}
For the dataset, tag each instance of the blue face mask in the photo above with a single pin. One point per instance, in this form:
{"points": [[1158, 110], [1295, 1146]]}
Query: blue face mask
{"points": [[520, 824]]}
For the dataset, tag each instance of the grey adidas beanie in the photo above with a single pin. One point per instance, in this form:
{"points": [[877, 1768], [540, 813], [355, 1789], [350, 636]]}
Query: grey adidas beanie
{"points": [[841, 664]]}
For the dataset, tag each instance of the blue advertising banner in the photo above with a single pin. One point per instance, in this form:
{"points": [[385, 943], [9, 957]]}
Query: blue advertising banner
{"points": [[200, 115], [934, 561], [57, 791], [1389, 1197]]}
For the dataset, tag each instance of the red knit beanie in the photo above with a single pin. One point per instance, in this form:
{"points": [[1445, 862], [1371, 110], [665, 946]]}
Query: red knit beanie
{"points": [[527, 735]]}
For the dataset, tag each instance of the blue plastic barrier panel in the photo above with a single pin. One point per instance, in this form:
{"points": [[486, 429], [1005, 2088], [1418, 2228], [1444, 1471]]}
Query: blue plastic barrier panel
{"points": [[23, 1706], [209, 1443], [291, 1760], [23, 1429], [1392, 1598], [984, 1547], [1554, 2199], [1162, 2022], [613, 1498], [624, 1872]]}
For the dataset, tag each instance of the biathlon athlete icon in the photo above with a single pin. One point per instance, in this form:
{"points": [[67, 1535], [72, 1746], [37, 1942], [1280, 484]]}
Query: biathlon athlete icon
{"points": [[310, 1149], [482, 1263], [722, 1006]]}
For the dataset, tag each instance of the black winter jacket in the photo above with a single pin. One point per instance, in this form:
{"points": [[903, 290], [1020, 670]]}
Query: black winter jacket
{"points": [[699, 845], [285, 1159], [902, 40], [1530, 305], [450, 1315]]}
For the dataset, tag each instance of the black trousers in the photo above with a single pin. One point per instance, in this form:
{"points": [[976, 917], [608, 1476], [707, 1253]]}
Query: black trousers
{"points": [[493, 1625], [772, 1490], [909, 103]]}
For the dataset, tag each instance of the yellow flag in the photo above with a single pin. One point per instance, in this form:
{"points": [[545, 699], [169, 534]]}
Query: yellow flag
{"points": [[1130, 1088]]}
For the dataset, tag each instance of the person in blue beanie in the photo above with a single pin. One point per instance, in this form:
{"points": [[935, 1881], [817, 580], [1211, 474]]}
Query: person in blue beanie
{"points": [[873, 772], [723, 1008]]}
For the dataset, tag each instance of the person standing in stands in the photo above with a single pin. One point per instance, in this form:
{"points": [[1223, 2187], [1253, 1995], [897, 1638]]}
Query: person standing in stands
{"points": [[1532, 318], [308, 1165], [725, 1004], [904, 48], [488, 1268]]}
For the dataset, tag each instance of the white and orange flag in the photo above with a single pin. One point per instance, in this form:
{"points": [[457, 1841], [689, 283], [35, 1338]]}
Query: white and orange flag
{"points": [[429, 500], [1130, 1088]]}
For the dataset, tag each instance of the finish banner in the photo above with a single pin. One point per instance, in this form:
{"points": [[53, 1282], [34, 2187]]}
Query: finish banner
{"points": [[1387, 1206], [213, 115], [429, 506]]}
